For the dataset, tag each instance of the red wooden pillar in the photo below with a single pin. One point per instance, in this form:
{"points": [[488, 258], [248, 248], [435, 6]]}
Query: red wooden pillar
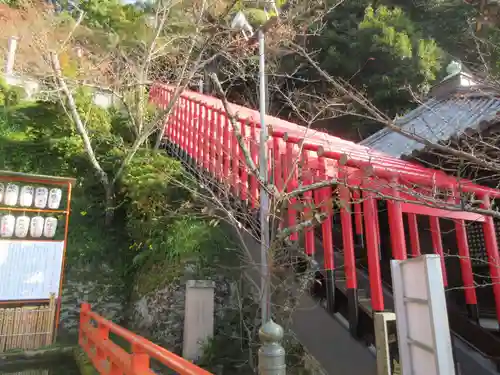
{"points": [[219, 152], [190, 128], [372, 247], [254, 154], [179, 126], [358, 222], [183, 125], [102, 335], [212, 116], [414, 237], [466, 270], [465, 263], [201, 131], [140, 360], [174, 123], [278, 171], [398, 241], [244, 167], [349, 260], [83, 327], [308, 203], [326, 228], [195, 126], [226, 149], [291, 179], [437, 243], [235, 163], [491, 243]]}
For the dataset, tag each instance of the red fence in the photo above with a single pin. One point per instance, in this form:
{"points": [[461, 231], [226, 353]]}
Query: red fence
{"points": [[201, 130], [110, 358]]}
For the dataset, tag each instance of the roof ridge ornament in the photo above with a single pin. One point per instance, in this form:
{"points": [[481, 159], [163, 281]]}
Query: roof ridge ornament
{"points": [[454, 67]]}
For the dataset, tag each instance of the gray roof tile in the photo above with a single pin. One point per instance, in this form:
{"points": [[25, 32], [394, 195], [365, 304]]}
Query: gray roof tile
{"points": [[436, 120]]}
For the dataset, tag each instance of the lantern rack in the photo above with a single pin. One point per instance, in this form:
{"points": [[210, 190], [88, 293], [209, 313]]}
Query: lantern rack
{"points": [[34, 237]]}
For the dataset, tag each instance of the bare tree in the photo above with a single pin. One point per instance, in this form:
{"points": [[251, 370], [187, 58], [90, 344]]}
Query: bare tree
{"points": [[126, 71]]}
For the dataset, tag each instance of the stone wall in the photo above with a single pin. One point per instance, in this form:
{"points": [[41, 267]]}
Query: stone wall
{"points": [[159, 315], [97, 284]]}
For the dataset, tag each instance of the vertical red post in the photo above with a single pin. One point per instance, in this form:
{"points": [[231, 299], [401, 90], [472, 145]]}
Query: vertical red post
{"points": [[179, 119], [358, 218], [212, 115], [291, 179], [326, 230], [140, 359], [183, 124], [396, 225], [308, 202], [207, 139], [83, 327], [349, 260], [414, 237], [278, 157], [174, 123], [195, 128], [253, 179], [244, 166], [199, 133], [377, 222], [219, 151], [190, 128], [372, 247], [466, 270], [491, 243], [226, 149], [102, 334], [347, 238], [437, 243], [235, 163], [177, 123], [278, 177]]}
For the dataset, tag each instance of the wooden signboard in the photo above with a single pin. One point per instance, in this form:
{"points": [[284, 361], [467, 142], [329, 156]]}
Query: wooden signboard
{"points": [[34, 217]]}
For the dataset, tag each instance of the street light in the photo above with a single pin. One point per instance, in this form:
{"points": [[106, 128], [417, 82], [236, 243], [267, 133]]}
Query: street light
{"points": [[271, 353], [240, 22]]}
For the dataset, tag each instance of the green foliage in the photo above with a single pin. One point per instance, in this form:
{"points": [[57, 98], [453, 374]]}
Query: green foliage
{"points": [[11, 3], [10, 95], [153, 192], [190, 243], [154, 223], [382, 52]]}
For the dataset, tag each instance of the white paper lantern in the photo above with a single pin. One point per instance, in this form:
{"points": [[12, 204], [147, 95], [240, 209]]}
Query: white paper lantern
{"points": [[41, 196], [26, 196], [49, 229], [11, 195], [55, 198], [36, 227], [7, 224], [22, 226], [2, 191]]}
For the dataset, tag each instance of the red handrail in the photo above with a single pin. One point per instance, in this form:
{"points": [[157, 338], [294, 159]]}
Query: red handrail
{"points": [[110, 358]]}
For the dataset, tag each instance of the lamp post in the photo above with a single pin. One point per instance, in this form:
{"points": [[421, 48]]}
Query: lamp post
{"points": [[271, 353]]}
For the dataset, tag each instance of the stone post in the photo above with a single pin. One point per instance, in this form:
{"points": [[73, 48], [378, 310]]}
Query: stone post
{"points": [[11, 54], [271, 353], [198, 317]]}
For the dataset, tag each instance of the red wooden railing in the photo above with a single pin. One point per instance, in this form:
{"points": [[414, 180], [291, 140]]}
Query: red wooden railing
{"points": [[199, 128], [111, 358]]}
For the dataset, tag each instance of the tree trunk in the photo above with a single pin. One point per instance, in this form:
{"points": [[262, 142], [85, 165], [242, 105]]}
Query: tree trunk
{"points": [[109, 205]]}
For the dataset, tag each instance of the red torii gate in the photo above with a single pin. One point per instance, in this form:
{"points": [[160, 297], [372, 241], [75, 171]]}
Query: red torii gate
{"points": [[199, 126]]}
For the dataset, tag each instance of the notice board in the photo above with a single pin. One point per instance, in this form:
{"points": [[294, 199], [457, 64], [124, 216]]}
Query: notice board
{"points": [[30, 270]]}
